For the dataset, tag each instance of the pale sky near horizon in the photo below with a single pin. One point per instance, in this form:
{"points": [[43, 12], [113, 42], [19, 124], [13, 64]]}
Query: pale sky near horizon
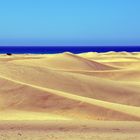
{"points": [[69, 22]]}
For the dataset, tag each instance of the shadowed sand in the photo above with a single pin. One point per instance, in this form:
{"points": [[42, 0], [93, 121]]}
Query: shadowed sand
{"points": [[71, 88]]}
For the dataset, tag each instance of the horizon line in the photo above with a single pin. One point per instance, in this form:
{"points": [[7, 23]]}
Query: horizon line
{"points": [[70, 46]]}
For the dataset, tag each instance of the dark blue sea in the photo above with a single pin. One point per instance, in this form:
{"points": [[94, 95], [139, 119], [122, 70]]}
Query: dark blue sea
{"points": [[59, 49]]}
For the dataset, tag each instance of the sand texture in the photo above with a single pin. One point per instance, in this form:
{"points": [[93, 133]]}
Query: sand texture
{"points": [[100, 90]]}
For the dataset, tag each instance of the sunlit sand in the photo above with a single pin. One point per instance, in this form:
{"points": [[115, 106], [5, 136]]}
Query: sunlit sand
{"points": [[70, 96]]}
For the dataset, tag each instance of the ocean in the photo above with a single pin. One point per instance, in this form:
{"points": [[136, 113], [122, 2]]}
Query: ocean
{"points": [[60, 49]]}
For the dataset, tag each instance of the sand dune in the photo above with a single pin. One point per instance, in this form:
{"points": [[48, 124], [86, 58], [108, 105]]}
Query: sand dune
{"points": [[129, 75], [67, 61], [78, 84], [70, 87], [33, 98]]}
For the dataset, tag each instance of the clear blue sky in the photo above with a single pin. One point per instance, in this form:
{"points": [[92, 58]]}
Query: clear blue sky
{"points": [[70, 22]]}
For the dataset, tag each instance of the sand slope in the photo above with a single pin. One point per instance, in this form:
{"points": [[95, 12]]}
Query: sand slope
{"points": [[68, 86]]}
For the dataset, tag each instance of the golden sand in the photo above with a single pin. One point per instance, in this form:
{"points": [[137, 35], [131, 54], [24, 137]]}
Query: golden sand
{"points": [[71, 88]]}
